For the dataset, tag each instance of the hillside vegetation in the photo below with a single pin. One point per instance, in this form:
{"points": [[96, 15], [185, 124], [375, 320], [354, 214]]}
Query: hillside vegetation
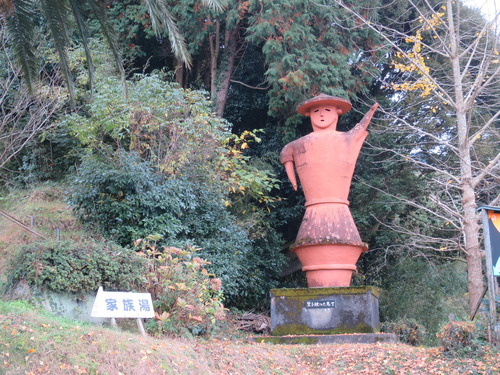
{"points": [[35, 342], [46, 205], [170, 160]]}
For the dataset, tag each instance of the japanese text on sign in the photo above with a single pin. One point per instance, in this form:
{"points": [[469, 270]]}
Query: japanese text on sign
{"points": [[325, 304], [122, 305]]}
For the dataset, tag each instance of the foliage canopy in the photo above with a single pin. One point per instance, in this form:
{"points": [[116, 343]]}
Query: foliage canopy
{"points": [[162, 164]]}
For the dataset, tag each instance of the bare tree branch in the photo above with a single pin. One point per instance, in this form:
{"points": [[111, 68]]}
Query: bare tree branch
{"points": [[457, 67], [23, 116], [251, 87], [495, 163]]}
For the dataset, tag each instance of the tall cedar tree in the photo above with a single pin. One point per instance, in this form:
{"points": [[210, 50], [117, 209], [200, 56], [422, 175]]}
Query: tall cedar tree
{"points": [[310, 48]]}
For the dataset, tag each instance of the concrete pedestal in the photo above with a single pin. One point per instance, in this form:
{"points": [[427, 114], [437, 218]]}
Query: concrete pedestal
{"points": [[349, 338], [324, 311]]}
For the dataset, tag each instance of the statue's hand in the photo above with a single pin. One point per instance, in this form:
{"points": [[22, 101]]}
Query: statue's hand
{"points": [[368, 117], [373, 108]]}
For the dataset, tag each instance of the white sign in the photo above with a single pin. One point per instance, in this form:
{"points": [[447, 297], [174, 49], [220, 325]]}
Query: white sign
{"points": [[122, 305]]}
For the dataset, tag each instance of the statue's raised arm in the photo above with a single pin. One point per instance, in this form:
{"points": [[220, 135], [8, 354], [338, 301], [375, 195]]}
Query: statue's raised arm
{"points": [[365, 121]]}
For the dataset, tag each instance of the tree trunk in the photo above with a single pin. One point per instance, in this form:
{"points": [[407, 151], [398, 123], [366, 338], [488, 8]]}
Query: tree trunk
{"points": [[470, 218], [474, 261], [231, 38], [473, 252], [179, 73], [214, 41]]}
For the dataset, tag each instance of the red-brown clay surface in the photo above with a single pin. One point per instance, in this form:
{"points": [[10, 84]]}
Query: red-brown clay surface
{"points": [[324, 162]]}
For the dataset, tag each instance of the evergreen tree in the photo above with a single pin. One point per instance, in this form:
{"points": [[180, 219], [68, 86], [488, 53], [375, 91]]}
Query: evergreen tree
{"points": [[310, 48], [21, 19]]}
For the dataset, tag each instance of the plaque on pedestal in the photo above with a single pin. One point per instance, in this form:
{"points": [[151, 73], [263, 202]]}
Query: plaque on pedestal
{"points": [[324, 311]]}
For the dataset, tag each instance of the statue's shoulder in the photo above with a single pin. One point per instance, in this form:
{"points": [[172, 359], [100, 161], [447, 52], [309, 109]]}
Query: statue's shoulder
{"points": [[296, 142], [287, 152]]}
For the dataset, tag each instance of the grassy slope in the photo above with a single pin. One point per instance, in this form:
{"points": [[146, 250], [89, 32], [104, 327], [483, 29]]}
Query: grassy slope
{"points": [[34, 342], [49, 211]]}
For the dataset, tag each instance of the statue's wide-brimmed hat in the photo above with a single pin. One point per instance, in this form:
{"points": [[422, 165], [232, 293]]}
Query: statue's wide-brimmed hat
{"points": [[322, 99]]}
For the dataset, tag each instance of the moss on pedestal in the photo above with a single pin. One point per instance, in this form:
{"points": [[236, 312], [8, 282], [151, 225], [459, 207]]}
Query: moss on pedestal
{"points": [[324, 311], [311, 292]]}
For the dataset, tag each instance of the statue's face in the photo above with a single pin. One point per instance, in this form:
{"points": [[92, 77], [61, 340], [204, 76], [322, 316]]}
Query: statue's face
{"points": [[324, 116]]}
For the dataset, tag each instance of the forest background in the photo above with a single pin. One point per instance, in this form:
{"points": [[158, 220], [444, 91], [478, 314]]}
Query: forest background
{"points": [[170, 131]]}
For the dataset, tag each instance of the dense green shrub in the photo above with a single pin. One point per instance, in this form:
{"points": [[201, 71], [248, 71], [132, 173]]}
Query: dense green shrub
{"points": [[74, 267], [457, 337], [161, 163], [175, 130], [187, 298], [50, 158], [408, 331], [125, 199], [427, 292]]}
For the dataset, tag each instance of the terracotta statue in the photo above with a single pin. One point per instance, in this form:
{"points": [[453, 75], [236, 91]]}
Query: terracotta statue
{"points": [[328, 243]]}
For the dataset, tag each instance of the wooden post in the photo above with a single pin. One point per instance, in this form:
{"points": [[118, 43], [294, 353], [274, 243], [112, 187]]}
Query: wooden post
{"points": [[141, 326], [14, 220]]}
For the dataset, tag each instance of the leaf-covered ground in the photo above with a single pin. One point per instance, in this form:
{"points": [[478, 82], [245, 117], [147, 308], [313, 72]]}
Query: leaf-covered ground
{"points": [[32, 342]]}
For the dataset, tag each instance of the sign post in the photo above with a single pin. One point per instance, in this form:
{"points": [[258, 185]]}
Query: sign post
{"points": [[123, 305], [491, 225]]}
